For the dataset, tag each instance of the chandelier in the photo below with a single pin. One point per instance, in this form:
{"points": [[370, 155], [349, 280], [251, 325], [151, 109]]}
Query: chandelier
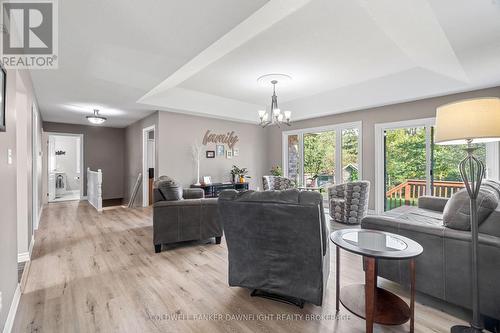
{"points": [[275, 116]]}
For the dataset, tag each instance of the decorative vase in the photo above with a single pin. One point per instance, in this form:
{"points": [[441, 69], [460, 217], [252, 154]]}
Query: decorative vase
{"points": [[242, 179]]}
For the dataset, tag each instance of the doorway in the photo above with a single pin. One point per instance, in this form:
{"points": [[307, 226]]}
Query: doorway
{"points": [[65, 166], [148, 164]]}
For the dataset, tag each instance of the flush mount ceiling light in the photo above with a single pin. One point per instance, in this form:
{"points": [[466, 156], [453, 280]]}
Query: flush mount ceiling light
{"points": [[274, 115], [96, 118]]}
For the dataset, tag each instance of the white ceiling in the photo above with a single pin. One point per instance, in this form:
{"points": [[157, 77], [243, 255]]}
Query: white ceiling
{"points": [[347, 55], [113, 52], [204, 57]]}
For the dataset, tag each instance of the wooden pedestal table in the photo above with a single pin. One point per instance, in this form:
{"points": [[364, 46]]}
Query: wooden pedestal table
{"points": [[368, 301]]}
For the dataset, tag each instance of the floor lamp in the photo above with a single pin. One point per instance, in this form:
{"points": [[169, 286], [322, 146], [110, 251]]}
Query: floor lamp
{"points": [[469, 122]]}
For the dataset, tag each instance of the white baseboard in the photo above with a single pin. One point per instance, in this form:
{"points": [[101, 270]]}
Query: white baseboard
{"points": [[26, 256], [39, 218], [9, 323], [83, 198], [22, 257], [31, 245]]}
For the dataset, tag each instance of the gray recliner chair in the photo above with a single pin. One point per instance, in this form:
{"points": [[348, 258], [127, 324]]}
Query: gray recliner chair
{"points": [[277, 243], [182, 214]]}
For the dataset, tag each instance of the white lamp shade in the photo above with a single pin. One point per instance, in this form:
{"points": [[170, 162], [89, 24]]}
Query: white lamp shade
{"points": [[276, 112], [288, 114], [262, 113], [473, 119]]}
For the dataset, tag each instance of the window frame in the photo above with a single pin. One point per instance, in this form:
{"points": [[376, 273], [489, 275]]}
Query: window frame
{"points": [[492, 156], [338, 147]]}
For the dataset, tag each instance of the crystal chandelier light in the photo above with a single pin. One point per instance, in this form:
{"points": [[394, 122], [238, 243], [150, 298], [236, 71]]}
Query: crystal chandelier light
{"points": [[275, 115]]}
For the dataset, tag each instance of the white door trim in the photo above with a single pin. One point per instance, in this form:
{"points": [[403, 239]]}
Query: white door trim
{"points": [[35, 149], [82, 169], [145, 176], [380, 153]]}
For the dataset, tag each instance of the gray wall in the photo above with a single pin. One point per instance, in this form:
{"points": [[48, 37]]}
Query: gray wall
{"points": [[179, 132], [8, 179], [104, 148], [425, 108], [133, 154], [175, 135]]}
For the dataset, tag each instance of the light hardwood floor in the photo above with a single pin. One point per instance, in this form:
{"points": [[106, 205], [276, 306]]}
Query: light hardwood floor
{"points": [[96, 272]]}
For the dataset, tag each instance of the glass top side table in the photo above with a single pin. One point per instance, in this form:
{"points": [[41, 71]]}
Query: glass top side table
{"points": [[368, 301]]}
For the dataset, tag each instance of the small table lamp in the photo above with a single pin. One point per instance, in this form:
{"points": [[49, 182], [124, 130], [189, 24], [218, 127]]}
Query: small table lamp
{"points": [[468, 122]]}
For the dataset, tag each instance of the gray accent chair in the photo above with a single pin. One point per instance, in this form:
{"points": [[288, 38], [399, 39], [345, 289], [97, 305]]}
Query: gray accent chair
{"points": [[349, 201], [182, 214], [442, 227], [277, 243], [277, 183]]}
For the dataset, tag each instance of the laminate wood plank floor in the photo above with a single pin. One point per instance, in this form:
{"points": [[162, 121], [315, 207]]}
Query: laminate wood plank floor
{"points": [[97, 272]]}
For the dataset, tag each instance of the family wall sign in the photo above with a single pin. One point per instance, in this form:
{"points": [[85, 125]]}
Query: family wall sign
{"points": [[228, 138]]}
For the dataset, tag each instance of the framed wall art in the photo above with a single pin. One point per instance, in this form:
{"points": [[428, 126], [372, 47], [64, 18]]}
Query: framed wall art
{"points": [[219, 149]]}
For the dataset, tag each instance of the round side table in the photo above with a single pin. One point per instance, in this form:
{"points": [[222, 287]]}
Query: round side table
{"points": [[368, 301]]}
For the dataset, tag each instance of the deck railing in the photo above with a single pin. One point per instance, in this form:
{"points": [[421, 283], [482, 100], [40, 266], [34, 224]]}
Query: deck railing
{"points": [[407, 193]]}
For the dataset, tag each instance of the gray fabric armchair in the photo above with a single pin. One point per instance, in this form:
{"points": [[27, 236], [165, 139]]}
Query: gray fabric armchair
{"points": [[442, 227], [349, 201], [277, 183], [277, 243], [182, 214]]}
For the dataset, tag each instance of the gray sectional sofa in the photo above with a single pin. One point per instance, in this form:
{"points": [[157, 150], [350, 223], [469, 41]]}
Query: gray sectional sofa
{"points": [[277, 243], [182, 214], [442, 227]]}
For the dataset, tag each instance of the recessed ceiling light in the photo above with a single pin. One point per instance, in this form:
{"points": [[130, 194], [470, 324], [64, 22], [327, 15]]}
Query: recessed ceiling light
{"points": [[96, 118]]}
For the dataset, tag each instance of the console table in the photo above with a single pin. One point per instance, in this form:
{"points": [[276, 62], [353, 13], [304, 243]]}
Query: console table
{"points": [[213, 190]]}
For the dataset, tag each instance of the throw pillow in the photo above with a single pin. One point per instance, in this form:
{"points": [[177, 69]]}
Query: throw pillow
{"points": [[169, 188], [456, 214]]}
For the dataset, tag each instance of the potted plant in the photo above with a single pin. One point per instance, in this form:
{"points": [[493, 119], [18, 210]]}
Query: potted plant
{"points": [[239, 174], [276, 171]]}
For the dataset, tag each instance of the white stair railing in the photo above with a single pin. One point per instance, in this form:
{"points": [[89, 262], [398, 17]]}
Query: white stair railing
{"points": [[94, 188]]}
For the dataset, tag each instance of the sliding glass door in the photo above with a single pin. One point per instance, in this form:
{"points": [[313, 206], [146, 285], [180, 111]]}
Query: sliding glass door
{"points": [[350, 154], [445, 175], [317, 157], [410, 164], [404, 166]]}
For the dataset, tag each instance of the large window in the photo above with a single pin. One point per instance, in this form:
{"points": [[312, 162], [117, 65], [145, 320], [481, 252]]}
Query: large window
{"points": [[317, 157], [410, 165]]}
